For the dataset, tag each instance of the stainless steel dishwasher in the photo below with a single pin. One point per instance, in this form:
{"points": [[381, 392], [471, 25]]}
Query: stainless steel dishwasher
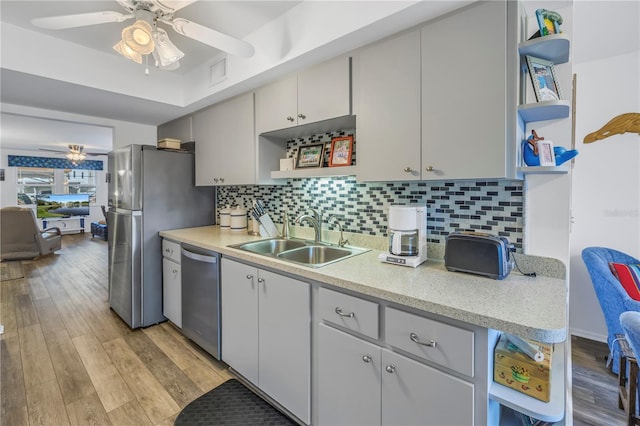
{"points": [[201, 297]]}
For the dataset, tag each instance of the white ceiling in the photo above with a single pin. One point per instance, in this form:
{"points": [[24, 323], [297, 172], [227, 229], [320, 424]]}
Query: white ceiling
{"points": [[235, 18], [76, 70], [34, 133]]}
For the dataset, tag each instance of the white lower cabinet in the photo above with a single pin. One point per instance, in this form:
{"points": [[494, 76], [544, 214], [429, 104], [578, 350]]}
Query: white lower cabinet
{"points": [[416, 394], [171, 282], [172, 291], [349, 379], [266, 333], [360, 383]]}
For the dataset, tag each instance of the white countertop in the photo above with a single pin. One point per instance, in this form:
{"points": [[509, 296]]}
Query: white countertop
{"points": [[533, 308]]}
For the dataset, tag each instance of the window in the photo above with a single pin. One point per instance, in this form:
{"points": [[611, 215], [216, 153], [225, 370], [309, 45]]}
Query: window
{"points": [[81, 182], [33, 181]]}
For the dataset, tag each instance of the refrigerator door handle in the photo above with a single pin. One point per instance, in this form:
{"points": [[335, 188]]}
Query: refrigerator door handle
{"points": [[199, 257]]}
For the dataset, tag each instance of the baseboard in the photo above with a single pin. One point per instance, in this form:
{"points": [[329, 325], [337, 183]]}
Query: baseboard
{"points": [[588, 335]]}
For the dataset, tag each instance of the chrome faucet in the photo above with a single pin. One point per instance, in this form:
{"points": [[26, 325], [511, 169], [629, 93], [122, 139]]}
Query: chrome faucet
{"points": [[316, 215], [313, 221], [341, 241]]}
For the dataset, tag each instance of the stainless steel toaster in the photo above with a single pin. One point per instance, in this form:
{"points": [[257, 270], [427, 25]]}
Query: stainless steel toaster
{"points": [[478, 253]]}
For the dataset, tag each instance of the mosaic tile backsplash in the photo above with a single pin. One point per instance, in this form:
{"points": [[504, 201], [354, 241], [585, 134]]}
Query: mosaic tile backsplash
{"points": [[294, 144], [495, 207]]}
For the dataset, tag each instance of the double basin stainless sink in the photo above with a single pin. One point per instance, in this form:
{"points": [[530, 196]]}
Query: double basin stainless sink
{"points": [[303, 252]]}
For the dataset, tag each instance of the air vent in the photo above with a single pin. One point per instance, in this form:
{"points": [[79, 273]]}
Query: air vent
{"points": [[218, 71]]}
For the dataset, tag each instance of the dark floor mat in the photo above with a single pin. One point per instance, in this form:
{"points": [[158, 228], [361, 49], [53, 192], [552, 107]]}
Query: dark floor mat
{"points": [[231, 403]]}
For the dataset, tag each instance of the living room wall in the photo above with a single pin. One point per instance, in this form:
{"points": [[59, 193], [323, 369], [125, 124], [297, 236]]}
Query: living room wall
{"points": [[606, 177]]}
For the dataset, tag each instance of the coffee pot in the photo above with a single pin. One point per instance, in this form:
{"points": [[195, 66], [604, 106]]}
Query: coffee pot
{"points": [[407, 235]]}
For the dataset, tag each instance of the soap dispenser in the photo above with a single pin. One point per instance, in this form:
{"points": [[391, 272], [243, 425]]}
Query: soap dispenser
{"points": [[286, 232]]}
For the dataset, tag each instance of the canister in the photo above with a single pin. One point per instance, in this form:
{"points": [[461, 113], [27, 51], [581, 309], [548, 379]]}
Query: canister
{"points": [[225, 218], [239, 219]]}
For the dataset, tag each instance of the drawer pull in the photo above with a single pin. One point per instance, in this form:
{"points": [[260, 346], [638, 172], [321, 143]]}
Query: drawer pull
{"points": [[344, 314], [391, 368], [414, 338], [367, 358]]}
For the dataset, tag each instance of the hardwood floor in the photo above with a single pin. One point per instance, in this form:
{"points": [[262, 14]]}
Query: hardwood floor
{"points": [[66, 358], [595, 387]]}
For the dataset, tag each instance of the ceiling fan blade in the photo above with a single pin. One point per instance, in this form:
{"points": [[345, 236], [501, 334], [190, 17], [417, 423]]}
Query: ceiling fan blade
{"points": [[171, 6], [53, 150], [79, 20], [212, 37]]}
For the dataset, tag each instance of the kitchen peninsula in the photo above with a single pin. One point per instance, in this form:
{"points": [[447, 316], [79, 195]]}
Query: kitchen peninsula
{"points": [[472, 309]]}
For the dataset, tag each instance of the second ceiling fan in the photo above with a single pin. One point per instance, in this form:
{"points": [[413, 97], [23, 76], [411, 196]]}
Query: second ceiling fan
{"points": [[145, 36]]}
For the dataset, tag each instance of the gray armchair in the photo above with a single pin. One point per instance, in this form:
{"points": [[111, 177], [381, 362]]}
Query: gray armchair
{"points": [[21, 236]]}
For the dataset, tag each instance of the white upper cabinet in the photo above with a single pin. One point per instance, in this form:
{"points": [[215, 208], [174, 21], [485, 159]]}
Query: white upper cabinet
{"points": [[315, 94], [439, 102], [277, 105], [468, 94], [180, 128], [387, 103], [225, 143]]}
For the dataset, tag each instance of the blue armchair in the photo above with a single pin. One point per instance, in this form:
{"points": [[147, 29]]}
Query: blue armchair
{"points": [[613, 299]]}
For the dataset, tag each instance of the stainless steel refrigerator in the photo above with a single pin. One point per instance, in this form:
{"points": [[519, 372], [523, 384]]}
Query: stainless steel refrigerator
{"points": [[150, 190]]}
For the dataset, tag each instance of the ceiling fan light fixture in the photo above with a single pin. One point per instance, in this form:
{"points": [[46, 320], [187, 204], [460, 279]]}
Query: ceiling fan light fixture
{"points": [[138, 37], [125, 51], [75, 156], [165, 53]]}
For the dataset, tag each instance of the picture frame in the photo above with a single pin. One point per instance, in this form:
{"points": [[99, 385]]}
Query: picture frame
{"points": [[341, 151], [546, 154], [310, 156], [544, 79]]}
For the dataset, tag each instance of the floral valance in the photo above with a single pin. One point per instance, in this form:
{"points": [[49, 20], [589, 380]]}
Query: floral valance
{"points": [[53, 163]]}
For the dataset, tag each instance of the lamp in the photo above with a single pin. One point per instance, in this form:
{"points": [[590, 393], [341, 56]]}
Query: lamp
{"points": [[166, 54], [126, 51], [137, 40], [75, 155], [138, 37]]}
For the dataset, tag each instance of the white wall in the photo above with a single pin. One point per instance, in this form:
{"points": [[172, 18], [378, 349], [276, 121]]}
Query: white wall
{"points": [[606, 179], [124, 132]]}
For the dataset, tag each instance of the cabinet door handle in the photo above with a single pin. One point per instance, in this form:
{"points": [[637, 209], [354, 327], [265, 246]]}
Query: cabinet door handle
{"points": [[215, 180], [175, 271], [260, 280], [170, 251], [302, 116], [344, 314], [249, 277], [290, 118], [367, 358], [408, 169], [430, 169], [414, 338], [221, 180], [390, 368]]}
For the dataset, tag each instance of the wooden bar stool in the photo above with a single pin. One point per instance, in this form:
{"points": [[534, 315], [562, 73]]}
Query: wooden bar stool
{"points": [[627, 386]]}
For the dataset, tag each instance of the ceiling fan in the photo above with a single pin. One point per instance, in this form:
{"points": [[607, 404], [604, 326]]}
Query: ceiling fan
{"points": [[75, 154], [145, 37]]}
